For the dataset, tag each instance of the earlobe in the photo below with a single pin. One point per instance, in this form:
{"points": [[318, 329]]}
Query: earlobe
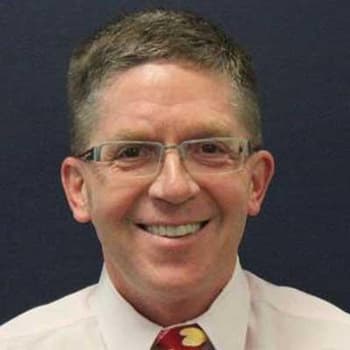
{"points": [[262, 167], [73, 181]]}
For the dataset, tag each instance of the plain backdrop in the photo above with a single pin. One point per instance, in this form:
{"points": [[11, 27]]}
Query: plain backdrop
{"points": [[301, 51]]}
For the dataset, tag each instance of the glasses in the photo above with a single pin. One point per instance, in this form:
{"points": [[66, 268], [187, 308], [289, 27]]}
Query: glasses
{"points": [[143, 158]]}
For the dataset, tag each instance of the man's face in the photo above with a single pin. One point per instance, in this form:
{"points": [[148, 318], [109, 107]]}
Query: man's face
{"points": [[168, 103]]}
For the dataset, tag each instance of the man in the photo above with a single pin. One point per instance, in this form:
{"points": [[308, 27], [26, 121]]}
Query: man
{"points": [[167, 163]]}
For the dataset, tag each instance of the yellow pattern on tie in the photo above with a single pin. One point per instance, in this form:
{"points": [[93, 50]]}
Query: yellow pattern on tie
{"points": [[193, 336], [186, 337]]}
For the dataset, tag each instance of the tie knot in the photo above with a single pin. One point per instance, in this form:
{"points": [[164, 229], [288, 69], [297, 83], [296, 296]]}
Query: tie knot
{"points": [[185, 337]]}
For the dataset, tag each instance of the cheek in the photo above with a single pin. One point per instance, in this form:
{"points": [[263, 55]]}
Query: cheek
{"points": [[110, 204], [110, 208], [230, 192]]}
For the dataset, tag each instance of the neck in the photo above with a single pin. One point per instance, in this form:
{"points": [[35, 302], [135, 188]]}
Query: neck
{"points": [[166, 307], [167, 311]]}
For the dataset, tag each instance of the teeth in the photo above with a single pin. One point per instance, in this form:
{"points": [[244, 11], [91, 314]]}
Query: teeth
{"points": [[173, 231]]}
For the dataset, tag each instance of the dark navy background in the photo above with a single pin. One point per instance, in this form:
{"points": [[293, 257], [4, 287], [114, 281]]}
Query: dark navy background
{"points": [[301, 51]]}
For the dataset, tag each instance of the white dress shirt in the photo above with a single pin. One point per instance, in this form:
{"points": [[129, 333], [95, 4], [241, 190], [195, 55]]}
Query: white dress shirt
{"points": [[249, 314]]}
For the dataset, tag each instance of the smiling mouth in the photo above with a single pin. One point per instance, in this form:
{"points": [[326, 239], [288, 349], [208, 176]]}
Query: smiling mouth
{"points": [[173, 231]]}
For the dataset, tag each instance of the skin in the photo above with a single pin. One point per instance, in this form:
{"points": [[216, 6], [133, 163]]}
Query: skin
{"points": [[167, 280]]}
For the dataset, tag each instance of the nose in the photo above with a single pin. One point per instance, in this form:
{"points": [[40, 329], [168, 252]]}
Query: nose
{"points": [[173, 183]]}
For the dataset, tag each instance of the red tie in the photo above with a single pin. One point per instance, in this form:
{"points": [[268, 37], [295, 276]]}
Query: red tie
{"points": [[186, 337]]}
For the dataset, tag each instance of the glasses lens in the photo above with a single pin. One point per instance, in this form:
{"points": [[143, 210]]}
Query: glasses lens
{"points": [[132, 158], [214, 155], [135, 158]]}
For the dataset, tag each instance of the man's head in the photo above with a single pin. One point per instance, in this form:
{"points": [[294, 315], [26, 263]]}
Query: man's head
{"points": [[170, 193], [151, 36]]}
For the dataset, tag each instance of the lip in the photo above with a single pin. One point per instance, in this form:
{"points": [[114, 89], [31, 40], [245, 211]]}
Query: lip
{"points": [[167, 223], [142, 227], [174, 231]]}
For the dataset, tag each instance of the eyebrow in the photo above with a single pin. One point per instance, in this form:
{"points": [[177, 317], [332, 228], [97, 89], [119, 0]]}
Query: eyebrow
{"points": [[208, 130], [201, 133], [211, 129], [129, 135]]}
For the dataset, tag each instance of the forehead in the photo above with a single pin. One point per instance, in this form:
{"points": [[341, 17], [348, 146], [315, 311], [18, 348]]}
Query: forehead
{"points": [[159, 99]]}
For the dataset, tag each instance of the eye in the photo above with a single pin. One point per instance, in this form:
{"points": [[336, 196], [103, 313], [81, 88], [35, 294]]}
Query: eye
{"points": [[211, 148], [213, 151], [128, 152]]}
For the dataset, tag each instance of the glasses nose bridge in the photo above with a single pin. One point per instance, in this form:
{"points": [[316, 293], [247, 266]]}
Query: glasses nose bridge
{"points": [[174, 146], [180, 164], [169, 147]]}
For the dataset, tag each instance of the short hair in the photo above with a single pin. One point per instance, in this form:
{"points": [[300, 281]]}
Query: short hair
{"points": [[153, 35]]}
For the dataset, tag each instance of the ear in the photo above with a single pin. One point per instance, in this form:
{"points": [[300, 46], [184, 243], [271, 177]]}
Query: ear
{"points": [[262, 167], [73, 181]]}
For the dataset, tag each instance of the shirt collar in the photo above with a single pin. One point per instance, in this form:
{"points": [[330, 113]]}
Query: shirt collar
{"points": [[121, 326], [226, 321]]}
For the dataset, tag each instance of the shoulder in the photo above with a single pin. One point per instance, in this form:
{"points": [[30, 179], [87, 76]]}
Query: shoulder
{"points": [[292, 316], [293, 301], [70, 311]]}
